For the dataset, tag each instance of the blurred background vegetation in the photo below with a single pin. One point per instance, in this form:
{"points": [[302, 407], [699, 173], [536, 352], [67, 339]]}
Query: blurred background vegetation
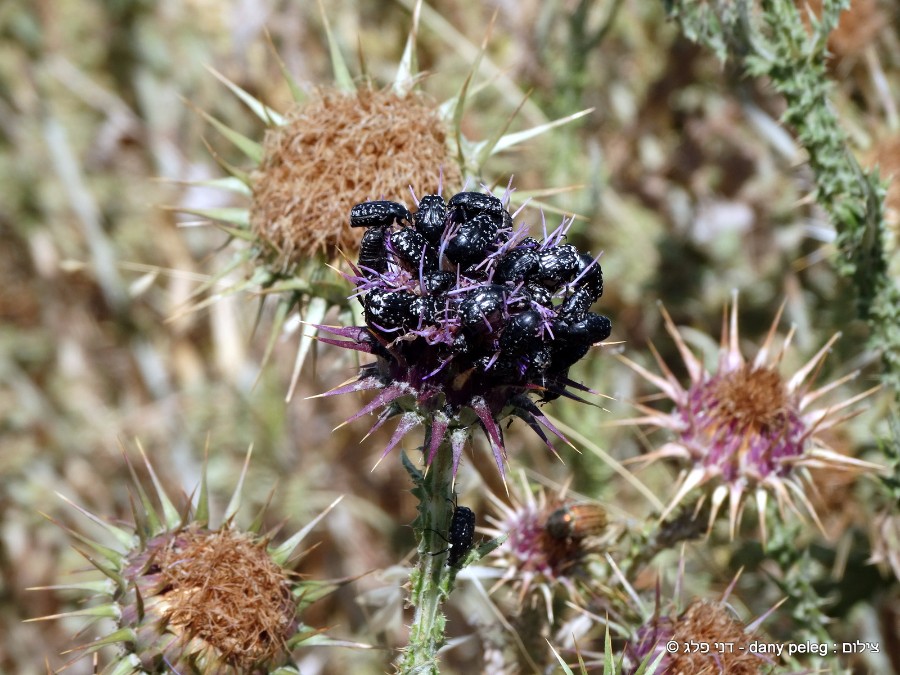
{"points": [[685, 180]]}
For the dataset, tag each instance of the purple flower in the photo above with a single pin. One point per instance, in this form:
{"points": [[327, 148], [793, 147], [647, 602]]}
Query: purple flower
{"points": [[468, 318], [745, 427]]}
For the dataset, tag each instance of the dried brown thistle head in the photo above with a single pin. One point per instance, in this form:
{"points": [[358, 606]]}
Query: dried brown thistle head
{"points": [[340, 149]]}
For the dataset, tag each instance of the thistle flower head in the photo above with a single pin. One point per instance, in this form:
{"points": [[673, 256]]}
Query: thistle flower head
{"points": [[746, 428], [550, 540], [334, 148], [704, 622], [189, 598], [466, 316]]}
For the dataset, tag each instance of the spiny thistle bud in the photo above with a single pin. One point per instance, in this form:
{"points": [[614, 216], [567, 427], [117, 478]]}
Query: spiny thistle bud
{"points": [[467, 315], [188, 598], [745, 427]]}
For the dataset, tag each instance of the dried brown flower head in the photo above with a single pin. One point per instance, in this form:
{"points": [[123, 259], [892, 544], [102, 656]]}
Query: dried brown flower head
{"points": [[711, 622], [222, 588], [340, 149], [187, 598]]}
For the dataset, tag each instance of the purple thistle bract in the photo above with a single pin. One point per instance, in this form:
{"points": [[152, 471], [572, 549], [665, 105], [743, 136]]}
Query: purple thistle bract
{"points": [[468, 318]]}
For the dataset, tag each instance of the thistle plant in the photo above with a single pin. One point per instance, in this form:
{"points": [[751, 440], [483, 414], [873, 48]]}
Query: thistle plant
{"points": [[187, 597], [467, 317], [338, 145], [787, 44]]}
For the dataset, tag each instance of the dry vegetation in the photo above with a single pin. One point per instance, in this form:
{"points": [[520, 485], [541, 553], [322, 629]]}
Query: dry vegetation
{"points": [[688, 184]]}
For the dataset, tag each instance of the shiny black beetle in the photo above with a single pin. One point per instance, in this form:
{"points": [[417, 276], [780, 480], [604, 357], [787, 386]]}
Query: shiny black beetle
{"points": [[379, 213], [461, 535]]}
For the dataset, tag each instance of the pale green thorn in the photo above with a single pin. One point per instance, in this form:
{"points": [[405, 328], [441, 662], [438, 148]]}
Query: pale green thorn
{"points": [[201, 515], [230, 183], [252, 149], [282, 553], [260, 109], [404, 80], [565, 666], [281, 311], [226, 214], [296, 92], [234, 504], [147, 521], [510, 140], [315, 314], [122, 635], [341, 74], [445, 109], [102, 587], [107, 611], [110, 554], [609, 666], [258, 522], [124, 537], [235, 172], [170, 513], [461, 97], [485, 149], [112, 574]]}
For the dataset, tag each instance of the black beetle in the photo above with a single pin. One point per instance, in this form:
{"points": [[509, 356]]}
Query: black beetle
{"points": [[461, 535], [539, 294], [411, 250], [473, 203], [520, 333], [430, 218], [557, 265], [574, 339], [516, 265], [483, 308], [438, 282], [372, 251], [576, 305], [379, 213], [591, 329], [538, 361], [392, 309], [471, 240], [589, 275]]}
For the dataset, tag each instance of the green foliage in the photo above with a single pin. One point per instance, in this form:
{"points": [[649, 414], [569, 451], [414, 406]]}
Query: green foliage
{"points": [[790, 50]]}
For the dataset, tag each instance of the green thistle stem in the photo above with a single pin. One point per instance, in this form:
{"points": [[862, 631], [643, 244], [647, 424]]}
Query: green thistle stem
{"points": [[431, 581]]}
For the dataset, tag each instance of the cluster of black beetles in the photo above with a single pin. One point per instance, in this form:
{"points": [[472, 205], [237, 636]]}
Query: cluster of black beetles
{"points": [[483, 297]]}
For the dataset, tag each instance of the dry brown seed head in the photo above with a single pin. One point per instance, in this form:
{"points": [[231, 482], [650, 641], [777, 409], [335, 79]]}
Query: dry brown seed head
{"points": [[223, 588], [336, 151]]}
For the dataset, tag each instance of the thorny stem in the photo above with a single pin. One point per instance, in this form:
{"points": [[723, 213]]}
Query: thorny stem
{"points": [[432, 581]]}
